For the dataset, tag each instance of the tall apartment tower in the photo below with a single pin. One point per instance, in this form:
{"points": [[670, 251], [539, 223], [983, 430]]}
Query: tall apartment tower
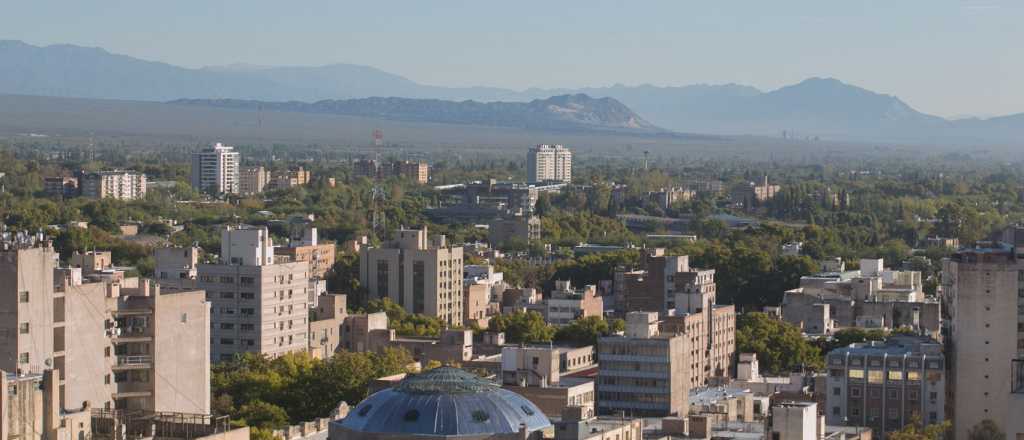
{"points": [[545, 163], [420, 273], [258, 305], [215, 170], [117, 342], [983, 290], [120, 185]]}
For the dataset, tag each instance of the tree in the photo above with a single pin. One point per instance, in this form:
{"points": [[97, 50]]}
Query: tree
{"points": [[583, 331], [520, 327], [914, 431], [779, 345], [986, 430]]}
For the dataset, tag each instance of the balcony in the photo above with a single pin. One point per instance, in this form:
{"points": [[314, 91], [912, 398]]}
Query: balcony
{"points": [[131, 362]]}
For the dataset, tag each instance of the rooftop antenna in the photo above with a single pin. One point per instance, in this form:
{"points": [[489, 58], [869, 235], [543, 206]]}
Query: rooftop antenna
{"points": [[378, 137]]}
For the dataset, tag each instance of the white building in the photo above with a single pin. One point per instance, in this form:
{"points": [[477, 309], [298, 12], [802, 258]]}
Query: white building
{"points": [[120, 185], [549, 163], [215, 170]]}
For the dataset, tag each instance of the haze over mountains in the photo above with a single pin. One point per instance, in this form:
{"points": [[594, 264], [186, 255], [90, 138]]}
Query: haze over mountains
{"points": [[816, 107]]}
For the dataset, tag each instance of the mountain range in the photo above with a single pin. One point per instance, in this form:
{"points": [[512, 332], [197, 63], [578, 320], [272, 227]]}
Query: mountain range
{"points": [[564, 112], [817, 107]]}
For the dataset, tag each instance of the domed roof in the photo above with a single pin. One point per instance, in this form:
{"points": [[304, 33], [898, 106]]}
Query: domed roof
{"points": [[445, 401]]}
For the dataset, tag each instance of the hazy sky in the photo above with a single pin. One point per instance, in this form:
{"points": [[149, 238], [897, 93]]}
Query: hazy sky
{"points": [[948, 57]]}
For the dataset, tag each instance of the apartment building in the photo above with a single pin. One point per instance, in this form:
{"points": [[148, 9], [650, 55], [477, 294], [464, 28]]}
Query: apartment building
{"points": [[710, 342], [116, 184], [420, 273], [117, 342], [666, 197], [215, 170], [653, 288], [545, 376], [258, 305], [886, 385], [644, 372], [871, 296], [176, 267], [502, 231], [61, 186], [983, 289], [418, 172], [289, 178], [546, 163], [565, 304], [252, 180]]}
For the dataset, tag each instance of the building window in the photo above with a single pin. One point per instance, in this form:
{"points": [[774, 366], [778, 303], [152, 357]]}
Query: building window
{"points": [[23, 358], [226, 341], [835, 410], [835, 391], [1017, 376], [23, 296], [227, 295], [23, 328], [895, 375], [226, 326], [247, 295], [854, 392]]}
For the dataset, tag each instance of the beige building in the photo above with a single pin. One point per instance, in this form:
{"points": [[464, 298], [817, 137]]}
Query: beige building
{"points": [[504, 230], [544, 375], [325, 325], [120, 185], [645, 372], [565, 304], [252, 180], [420, 273], [176, 267], [257, 305], [30, 409], [546, 163], [579, 423], [666, 197], [983, 290], [654, 288], [475, 303], [91, 261], [117, 342]]}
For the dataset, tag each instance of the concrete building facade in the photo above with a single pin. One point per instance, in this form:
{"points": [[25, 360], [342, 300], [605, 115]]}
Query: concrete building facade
{"points": [[257, 305], [252, 180], [420, 273], [886, 385], [644, 372], [118, 184], [983, 290], [117, 343]]}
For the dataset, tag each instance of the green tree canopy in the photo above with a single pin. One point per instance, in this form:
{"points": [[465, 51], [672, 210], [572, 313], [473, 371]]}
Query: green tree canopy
{"points": [[779, 346]]}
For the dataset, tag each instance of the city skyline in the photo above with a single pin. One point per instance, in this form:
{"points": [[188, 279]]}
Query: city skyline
{"points": [[570, 46]]}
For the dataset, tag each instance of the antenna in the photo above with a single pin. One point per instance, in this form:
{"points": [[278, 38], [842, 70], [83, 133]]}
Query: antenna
{"points": [[646, 153], [378, 137]]}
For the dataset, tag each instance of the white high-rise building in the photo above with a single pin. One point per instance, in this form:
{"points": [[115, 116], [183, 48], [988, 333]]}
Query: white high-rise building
{"points": [[549, 163], [215, 170]]}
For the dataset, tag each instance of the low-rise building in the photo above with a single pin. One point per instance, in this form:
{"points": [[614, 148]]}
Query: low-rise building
{"points": [[565, 304], [886, 385], [509, 230], [579, 423]]}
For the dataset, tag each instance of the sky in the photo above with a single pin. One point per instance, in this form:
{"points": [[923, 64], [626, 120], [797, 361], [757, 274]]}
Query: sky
{"points": [[945, 57]]}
